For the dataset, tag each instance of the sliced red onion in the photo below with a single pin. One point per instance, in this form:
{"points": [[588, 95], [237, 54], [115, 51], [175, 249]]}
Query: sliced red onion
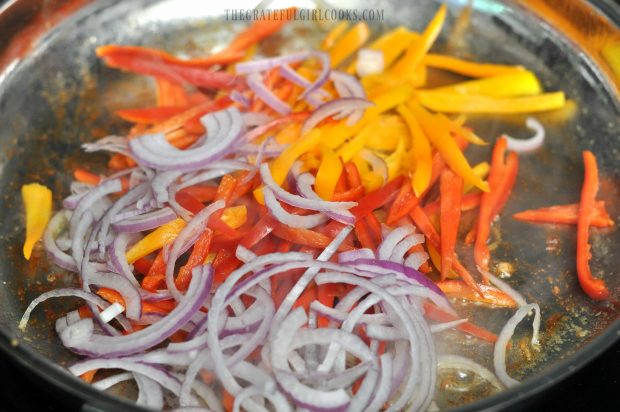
{"points": [[531, 144], [416, 259], [386, 248], [111, 312], [115, 144], [160, 184], [289, 219], [441, 327], [419, 278], [110, 381], [186, 238], [351, 255], [340, 316], [348, 86], [504, 287], [119, 283], [156, 152], [238, 97], [344, 104], [158, 375], [149, 392], [252, 119], [499, 351], [369, 62], [110, 346], [61, 293], [255, 82], [71, 202], [89, 200], [118, 260], [298, 201], [384, 387], [314, 99], [398, 254], [146, 221], [304, 187], [54, 227], [80, 231]]}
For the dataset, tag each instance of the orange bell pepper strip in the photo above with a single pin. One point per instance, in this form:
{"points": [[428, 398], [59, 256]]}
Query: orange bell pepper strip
{"points": [[393, 44], [228, 401], [235, 216], [566, 214], [85, 176], [489, 294], [349, 43], [328, 174], [143, 265], [260, 30], [437, 314], [333, 35], [150, 115], [446, 145], [170, 94], [403, 204], [501, 179], [155, 240], [155, 278], [407, 65], [467, 68], [199, 253], [593, 287], [38, 204], [89, 376], [423, 223], [447, 102], [451, 189]]}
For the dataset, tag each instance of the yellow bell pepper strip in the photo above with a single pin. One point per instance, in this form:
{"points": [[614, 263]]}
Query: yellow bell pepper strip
{"points": [[481, 170], [283, 163], [467, 68], [445, 144], [289, 133], [38, 204], [386, 132], [394, 160], [460, 103], [421, 149], [235, 216], [407, 64], [453, 127], [611, 54], [391, 44], [337, 134], [155, 240], [522, 83], [328, 174], [334, 34], [349, 43], [350, 149]]}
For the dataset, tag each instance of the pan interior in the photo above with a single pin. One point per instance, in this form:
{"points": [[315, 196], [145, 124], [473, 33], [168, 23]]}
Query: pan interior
{"points": [[60, 96]]}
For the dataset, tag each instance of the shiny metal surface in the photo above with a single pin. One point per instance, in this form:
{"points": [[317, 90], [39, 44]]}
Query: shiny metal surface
{"points": [[58, 95]]}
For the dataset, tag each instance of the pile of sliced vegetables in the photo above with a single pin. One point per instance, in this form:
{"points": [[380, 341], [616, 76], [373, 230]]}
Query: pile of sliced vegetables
{"points": [[265, 231]]}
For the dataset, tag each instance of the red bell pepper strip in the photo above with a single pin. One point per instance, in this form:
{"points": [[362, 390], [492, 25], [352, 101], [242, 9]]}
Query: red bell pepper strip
{"points": [[155, 278], [142, 265], [349, 195], [451, 189], [195, 112], [352, 175], [468, 202], [437, 314], [566, 214], [150, 66], [199, 253], [261, 230], [501, 179], [595, 288], [189, 202], [363, 235], [304, 237], [404, 203], [201, 193], [490, 294], [377, 198]]}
